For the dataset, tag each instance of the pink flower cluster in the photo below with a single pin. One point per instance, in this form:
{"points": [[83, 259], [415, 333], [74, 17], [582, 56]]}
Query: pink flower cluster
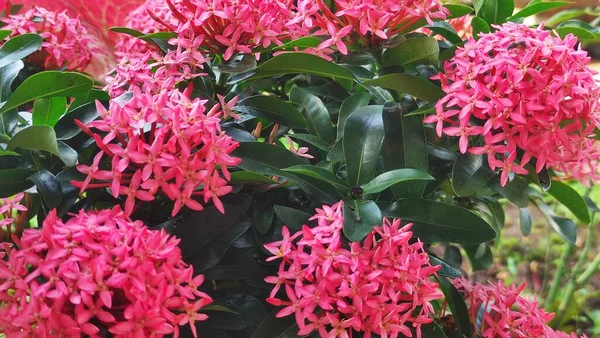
{"points": [[165, 142], [141, 19], [67, 43], [98, 270], [522, 89], [380, 287], [9, 208], [505, 313]]}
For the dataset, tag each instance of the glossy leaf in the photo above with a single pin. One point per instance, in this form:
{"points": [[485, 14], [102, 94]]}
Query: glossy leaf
{"points": [[47, 111], [580, 29], [536, 8], [48, 187], [313, 140], [239, 64], [480, 26], [35, 138], [304, 42], [516, 191], [497, 11], [273, 326], [360, 217], [272, 109], [525, 221], [389, 178], [315, 113], [441, 222], [66, 127], [266, 159], [457, 10], [445, 30], [432, 330], [564, 227], [469, 174], [127, 30], [361, 149], [317, 190], [571, 199], [480, 256], [412, 50], [263, 217], [8, 74], [349, 105], [13, 181], [292, 218], [408, 84], [404, 145], [48, 84], [19, 47], [457, 306], [320, 174], [240, 177], [92, 96], [446, 269], [564, 15]]}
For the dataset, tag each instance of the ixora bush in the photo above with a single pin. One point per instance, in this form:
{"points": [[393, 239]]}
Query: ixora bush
{"points": [[286, 168]]}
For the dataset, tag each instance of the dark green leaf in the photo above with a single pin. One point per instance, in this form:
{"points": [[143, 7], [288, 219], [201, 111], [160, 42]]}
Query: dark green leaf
{"points": [[446, 30], [432, 330], [263, 217], [480, 26], [67, 154], [250, 308], [238, 64], [580, 29], [48, 84], [497, 211], [497, 11], [92, 96], [536, 8], [266, 159], [47, 111], [389, 178], [305, 42], [525, 221], [360, 217], [19, 47], [457, 306], [315, 113], [361, 149], [239, 177], [272, 326], [570, 199], [441, 222], [349, 105], [35, 138], [292, 218], [336, 154], [404, 145], [66, 127], [469, 174], [410, 51], [516, 191], [320, 174], [480, 256], [158, 35], [313, 140], [564, 227], [590, 204], [8, 74], [456, 10], [272, 109], [302, 63], [317, 190], [446, 270], [48, 187], [408, 84], [13, 181], [126, 30]]}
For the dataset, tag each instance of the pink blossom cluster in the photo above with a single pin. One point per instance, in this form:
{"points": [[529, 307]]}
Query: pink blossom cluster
{"points": [[67, 44], [379, 287], [10, 208], [166, 142], [98, 270], [526, 90], [504, 313]]}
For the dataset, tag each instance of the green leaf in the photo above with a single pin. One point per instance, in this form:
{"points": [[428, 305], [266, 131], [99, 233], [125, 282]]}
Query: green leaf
{"points": [[19, 47], [432, 330], [497, 11], [446, 270], [266, 159], [47, 111], [590, 204], [127, 30], [92, 96], [315, 113], [411, 51], [336, 154], [273, 326], [480, 26], [389, 178], [457, 11], [48, 187], [292, 218], [314, 140], [240, 177], [457, 306], [263, 217], [317, 190], [469, 174], [302, 63], [441, 222], [536, 8], [568, 197], [480, 256], [305, 42], [48, 84], [404, 145], [364, 130], [349, 105], [272, 109], [13, 181], [564, 15], [564, 227], [320, 174], [525, 221], [66, 127], [516, 191], [239, 64], [35, 138], [8, 74], [582, 30], [4, 33], [408, 84], [446, 30], [360, 217], [158, 35], [67, 154]]}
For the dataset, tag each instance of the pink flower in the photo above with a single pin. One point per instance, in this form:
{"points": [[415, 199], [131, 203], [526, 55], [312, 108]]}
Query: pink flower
{"points": [[97, 271], [381, 286], [524, 90], [299, 151]]}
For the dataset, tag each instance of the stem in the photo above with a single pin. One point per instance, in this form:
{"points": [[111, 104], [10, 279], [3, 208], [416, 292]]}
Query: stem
{"points": [[558, 275], [547, 260], [589, 271]]}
